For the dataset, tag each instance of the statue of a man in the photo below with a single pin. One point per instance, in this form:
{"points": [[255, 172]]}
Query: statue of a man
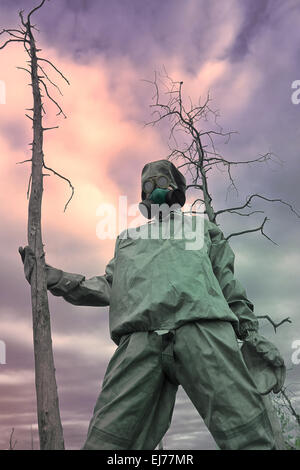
{"points": [[176, 315]]}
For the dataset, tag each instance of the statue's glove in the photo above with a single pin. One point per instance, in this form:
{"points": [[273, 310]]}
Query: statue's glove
{"points": [[28, 259], [265, 362]]}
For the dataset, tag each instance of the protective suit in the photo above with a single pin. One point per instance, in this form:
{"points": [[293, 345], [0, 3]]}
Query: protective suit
{"points": [[175, 314]]}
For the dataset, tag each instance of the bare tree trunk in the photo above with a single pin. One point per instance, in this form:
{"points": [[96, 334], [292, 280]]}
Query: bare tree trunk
{"points": [[50, 428], [49, 423]]}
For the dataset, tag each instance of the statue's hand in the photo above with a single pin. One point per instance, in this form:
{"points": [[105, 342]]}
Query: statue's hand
{"points": [[28, 259], [267, 354]]}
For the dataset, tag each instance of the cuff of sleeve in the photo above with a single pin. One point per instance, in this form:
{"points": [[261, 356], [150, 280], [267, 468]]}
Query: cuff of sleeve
{"points": [[67, 283], [246, 327], [53, 275]]}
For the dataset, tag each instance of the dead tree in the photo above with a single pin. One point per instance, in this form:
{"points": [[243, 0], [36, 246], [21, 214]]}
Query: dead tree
{"points": [[193, 131], [290, 419], [196, 151], [49, 422]]}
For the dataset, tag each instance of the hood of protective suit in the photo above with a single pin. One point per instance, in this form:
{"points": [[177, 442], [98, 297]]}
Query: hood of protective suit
{"points": [[176, 181]]}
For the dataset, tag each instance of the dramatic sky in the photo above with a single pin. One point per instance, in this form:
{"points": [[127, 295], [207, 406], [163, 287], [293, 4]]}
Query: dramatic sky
{"points": [[247, 53]]}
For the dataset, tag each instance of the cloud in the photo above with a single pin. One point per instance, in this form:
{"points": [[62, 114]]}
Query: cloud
{"points": [[16, 379], [256, 16]]}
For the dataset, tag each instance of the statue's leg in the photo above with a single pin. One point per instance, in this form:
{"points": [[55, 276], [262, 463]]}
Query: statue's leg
{"points": [[210, 367], [135, 405]]}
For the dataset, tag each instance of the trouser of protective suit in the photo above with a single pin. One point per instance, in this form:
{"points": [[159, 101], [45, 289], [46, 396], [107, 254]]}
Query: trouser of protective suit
{"points": [[135, 406]]}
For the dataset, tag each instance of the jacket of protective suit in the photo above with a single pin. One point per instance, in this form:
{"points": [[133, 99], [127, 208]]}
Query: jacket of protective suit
{"points": [[155, 282]]}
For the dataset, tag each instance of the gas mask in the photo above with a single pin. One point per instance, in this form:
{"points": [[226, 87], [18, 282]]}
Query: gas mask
{"points": [[162, 185]]}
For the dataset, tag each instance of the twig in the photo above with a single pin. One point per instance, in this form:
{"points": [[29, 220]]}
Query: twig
{"points": [[50, 128], [247, 203], [55, 68], [275, 325], [35, 9], [23, 68], [10, 40], [47, 77], [29, 160], [260, 228], [64, 178], [52, 99]]}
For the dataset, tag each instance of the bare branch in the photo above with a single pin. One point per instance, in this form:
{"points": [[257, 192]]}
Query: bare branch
{"points": [[55, 68], [50, 128], [23, 68], [64, 178], [22, 18], [29, 160], [52, 99], [19, 31], [246, 215], [247, 204], [10, 40], [219, 159], [47, 77], [222, 134], [196, 200], [9, 31], [275, 325], [260, 228], [199, 186], [35, 9]]}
